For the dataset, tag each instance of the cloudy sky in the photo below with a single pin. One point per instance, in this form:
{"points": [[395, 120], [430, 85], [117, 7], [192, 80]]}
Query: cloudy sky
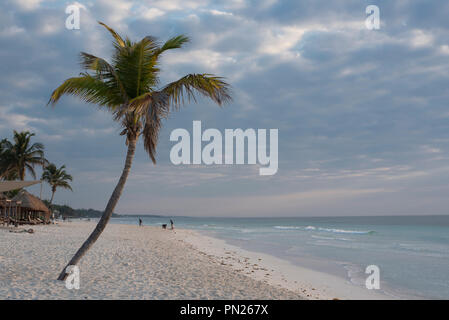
{"points": [[363, 115]]}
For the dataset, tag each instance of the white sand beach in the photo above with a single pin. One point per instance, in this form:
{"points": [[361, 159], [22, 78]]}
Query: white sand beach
{"points": [[131, 262]]}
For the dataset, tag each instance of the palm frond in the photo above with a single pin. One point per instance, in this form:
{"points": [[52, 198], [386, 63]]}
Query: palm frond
{"points": [[30, 168], [103, 70], [118, 40], [207, 85], [150, 132], [152, 108], [88, 89], [99, 65], [174, 43], [136, 67], [64, 185], [156, 99]]}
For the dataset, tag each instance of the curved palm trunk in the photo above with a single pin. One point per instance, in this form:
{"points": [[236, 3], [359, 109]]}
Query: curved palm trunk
{"points": [[107, 212]]}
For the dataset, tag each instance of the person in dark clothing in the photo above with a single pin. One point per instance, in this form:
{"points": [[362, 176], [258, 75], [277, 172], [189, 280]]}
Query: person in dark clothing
{"points": [[140, 222], [171, 222]]}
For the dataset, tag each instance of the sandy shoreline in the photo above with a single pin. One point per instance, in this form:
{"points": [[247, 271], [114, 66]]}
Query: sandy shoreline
{"points": [[280, 273], [127, 262], [131, 262]]}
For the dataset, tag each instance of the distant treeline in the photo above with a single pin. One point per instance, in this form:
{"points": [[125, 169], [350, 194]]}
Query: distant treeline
{"points": [[69, 212]]}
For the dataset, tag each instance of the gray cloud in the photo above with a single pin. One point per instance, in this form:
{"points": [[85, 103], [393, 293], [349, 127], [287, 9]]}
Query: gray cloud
{"points": [[361, 114]]}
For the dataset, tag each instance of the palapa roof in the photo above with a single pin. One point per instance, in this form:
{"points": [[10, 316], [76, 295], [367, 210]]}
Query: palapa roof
{"points": [[30, 201]]}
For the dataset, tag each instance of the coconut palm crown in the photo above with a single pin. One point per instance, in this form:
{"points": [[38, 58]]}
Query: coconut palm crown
{"points": [[56, 178], [129, 86], [130, 89], [20, 157]]}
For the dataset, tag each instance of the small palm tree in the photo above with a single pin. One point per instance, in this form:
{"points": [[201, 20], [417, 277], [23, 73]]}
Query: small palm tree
{"points": [[129, 89], [21, 156], [56, 178]]}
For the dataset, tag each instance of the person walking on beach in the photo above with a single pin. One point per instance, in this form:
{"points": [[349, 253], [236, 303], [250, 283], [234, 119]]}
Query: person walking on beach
{"points": [[140, 222], [171, 222]]}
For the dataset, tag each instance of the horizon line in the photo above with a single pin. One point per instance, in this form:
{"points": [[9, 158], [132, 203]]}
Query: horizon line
{"points": [[285, 217]]}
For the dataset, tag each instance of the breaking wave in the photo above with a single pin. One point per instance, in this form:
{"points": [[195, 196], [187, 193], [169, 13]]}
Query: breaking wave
{"points": [[332, 230]]}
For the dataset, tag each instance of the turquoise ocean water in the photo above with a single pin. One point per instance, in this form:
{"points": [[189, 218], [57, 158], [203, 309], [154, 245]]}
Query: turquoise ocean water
{"points": [[412, 252]]}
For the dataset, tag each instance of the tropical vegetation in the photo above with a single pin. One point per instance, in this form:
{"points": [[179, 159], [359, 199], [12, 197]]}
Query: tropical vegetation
{"points": [[56, 178], [20, 156]]}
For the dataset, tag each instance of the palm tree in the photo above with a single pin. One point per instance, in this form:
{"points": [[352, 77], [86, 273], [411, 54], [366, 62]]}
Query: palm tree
{"points": [[56, 178], [20, 157], [129, 89]]}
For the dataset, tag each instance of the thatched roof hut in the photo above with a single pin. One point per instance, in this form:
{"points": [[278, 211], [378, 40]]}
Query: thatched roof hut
{"points": [[33, 204]]}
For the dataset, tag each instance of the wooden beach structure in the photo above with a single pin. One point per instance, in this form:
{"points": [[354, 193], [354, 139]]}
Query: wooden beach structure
{"points": [[24, 208], [31, 209]]}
